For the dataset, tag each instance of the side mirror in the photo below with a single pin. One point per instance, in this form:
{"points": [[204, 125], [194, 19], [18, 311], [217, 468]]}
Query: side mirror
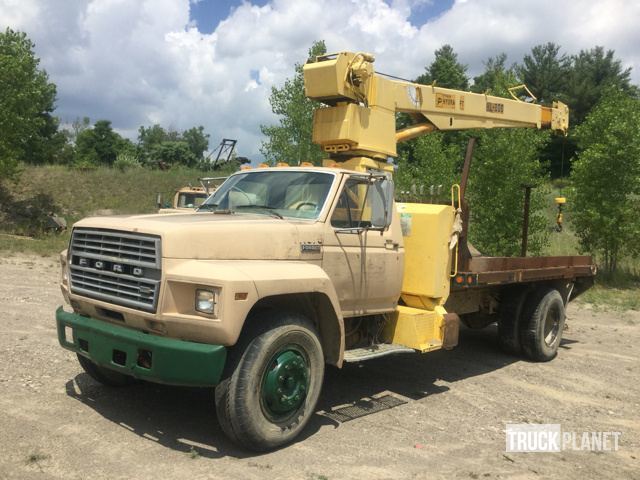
{"points": [[384, 192], [388, 187]]}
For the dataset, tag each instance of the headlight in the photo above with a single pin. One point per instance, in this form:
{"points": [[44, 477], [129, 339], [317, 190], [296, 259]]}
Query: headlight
{"points": [[205, 301]]}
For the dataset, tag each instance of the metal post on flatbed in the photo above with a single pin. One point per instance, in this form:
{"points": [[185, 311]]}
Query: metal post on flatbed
{"points": [[525, 219], [463, 251], [467, 165]]}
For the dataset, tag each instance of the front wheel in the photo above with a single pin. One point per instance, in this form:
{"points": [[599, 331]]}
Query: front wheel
{"points": [[274, 387]]}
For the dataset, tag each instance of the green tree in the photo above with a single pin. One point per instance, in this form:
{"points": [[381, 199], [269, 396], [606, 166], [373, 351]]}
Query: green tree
{"points": [[497, 78], [544, 71], [445, 70], [197, 140], [290, 140], [173, 153], [150, 136], [50, 145], [78, 126], [169, 147], [592, 73], [428, 162], [606, 179], [99, 145], [26, 101], [504, 160]]}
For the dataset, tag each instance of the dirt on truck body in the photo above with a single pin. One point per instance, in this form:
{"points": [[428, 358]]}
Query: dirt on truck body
{"points": [[285, 270]]}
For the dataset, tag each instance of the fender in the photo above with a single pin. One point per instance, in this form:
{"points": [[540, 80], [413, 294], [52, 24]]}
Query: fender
{"points": [[287, 278]]}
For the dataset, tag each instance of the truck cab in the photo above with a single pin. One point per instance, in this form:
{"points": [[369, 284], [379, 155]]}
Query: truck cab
{"points": [[187, 199], [326, 232]]}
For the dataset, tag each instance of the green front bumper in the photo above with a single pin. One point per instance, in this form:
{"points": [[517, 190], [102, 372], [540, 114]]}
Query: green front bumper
{"points": [[174, 362]]}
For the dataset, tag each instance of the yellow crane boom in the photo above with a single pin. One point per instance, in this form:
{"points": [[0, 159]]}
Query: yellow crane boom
{"points": [[360, 116]]}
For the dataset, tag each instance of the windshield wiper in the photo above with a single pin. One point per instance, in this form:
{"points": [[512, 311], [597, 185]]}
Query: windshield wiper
{"points": [[213, 207], [270, 210]]}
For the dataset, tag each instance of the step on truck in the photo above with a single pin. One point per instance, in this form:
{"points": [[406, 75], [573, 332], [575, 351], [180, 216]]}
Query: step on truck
{"points": [[284, 270]]}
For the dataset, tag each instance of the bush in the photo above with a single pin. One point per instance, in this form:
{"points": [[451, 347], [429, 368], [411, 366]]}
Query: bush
{"points": [[428, 161], [126, 161]]}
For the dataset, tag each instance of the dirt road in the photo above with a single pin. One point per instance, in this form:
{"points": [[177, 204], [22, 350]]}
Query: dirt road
{"points": [[447, 419]]}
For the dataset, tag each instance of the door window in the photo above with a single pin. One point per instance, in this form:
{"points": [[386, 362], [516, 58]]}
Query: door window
{"points": [[360, 205]]}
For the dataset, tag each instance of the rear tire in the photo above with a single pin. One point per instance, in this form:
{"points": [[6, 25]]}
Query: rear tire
{"points": [[543, 323], [103, 375], [273, 388]]}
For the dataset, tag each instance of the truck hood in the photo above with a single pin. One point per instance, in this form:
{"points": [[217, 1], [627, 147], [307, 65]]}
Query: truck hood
{"points": [[208, 236]]}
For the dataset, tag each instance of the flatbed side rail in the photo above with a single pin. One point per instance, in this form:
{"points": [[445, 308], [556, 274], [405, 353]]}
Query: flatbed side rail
{"points": [[485, 271]]}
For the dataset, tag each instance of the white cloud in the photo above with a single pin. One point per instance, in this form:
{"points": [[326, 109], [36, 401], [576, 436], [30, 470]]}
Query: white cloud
{"points": [[138, 62]]}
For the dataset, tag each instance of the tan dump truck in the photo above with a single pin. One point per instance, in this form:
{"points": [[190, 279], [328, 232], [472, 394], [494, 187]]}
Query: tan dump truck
{"points": [[285, 269]]}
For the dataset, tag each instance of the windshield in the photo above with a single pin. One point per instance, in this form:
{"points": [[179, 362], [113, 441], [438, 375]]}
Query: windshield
{"points": [[191, 200], [272, 192]]}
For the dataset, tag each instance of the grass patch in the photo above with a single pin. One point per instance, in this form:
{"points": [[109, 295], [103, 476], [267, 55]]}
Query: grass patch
{"points": [[619, 291], [42, 246], [602, 296], [75, 194], [35, 458], [193, 453]]}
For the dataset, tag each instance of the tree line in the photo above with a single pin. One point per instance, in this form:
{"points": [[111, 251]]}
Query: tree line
{"points": [[600, 158], [32, 134], [599, 161]]}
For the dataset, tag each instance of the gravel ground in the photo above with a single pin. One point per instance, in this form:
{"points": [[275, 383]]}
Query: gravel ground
{"points": [[56, 422]]}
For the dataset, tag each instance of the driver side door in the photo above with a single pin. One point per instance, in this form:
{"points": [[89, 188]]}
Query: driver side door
{"points": [[365, 265]]}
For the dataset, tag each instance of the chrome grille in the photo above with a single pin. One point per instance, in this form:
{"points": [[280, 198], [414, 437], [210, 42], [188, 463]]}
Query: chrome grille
{"points": [[122, 268], [132, 248]]}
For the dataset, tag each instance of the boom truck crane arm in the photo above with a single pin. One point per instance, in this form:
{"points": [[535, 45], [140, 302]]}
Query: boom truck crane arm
{"points": [[359, 119]]}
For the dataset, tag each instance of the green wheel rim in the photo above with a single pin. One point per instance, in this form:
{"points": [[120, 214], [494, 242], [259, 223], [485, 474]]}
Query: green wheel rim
{"points": [[285, 383]]}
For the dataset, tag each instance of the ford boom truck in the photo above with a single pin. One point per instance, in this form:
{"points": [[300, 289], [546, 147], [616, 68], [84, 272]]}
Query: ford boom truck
{"points": [[286, 269]]}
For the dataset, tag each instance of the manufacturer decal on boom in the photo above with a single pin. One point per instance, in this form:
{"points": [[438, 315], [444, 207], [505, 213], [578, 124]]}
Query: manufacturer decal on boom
{"points": [[495, 107], [444, 100]]}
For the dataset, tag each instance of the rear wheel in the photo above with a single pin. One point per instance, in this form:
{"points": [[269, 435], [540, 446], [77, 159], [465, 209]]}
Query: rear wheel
{"points": [[103, 375], [274, 386], [543, 323]]}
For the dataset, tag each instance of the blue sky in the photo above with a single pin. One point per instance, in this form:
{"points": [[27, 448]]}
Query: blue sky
{"points": [[209, 13], [142, 62]]}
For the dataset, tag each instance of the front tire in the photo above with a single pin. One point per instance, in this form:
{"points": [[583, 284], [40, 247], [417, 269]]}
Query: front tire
{"points": [[543, 325], [273, 390]]}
